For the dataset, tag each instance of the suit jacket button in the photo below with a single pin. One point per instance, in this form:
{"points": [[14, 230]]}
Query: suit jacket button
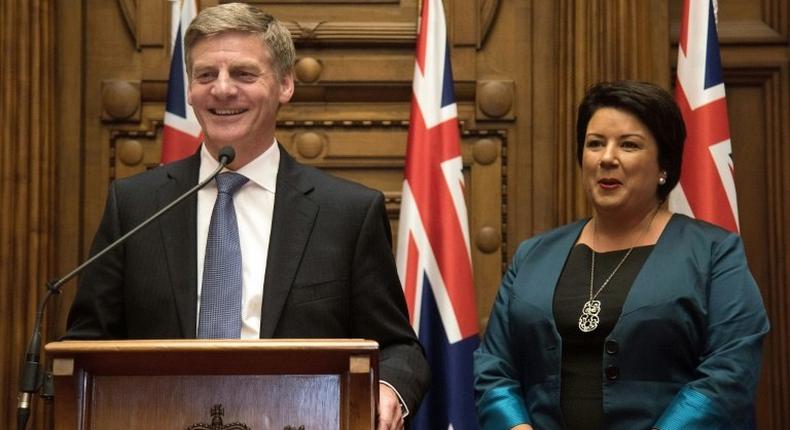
{"points": [[612, 347], [612, 373]]}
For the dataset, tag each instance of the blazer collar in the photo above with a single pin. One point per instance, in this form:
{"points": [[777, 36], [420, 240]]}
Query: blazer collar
{"points": [[643, 291], [557, 245]]}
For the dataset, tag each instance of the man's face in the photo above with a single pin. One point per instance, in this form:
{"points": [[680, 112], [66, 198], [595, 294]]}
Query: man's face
{"points": [[235, 92]]}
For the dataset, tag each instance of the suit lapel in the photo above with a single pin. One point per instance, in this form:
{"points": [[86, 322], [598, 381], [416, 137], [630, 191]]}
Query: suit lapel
{"points": [[292, 223], [179, 235]]}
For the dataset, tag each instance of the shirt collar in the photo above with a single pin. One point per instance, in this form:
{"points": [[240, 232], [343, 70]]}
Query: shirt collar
{"points": [[262, 170]]}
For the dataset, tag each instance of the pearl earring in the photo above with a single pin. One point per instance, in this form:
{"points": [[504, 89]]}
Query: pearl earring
{"points": [[662, 180]]}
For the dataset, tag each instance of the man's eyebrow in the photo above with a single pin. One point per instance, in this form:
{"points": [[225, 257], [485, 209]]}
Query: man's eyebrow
{"points": [[245, 65], [197, 66]]}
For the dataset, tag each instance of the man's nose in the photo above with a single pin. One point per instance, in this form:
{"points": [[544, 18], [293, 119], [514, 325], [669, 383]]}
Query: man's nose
{"points": [[223, 86]]}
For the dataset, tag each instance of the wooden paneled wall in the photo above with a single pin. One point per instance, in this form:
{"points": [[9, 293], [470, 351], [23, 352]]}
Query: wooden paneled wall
{"points": [[520, 69], [27, 180]]}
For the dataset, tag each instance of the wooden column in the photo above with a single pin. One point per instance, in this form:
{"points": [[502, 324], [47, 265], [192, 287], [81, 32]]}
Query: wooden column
{"points": [[27, 161]]}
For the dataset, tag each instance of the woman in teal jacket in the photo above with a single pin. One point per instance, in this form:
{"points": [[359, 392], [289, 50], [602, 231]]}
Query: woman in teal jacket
{"points": [[636, 318]]}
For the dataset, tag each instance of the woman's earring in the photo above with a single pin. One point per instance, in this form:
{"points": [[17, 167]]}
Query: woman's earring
{"points": [[662, 180]]}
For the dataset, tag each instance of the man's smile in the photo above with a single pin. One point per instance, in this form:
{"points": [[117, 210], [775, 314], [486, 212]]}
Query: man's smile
{"points": [[227, 112]]}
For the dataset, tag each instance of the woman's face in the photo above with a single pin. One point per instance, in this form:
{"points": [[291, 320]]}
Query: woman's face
{"points": [[620, 168]]}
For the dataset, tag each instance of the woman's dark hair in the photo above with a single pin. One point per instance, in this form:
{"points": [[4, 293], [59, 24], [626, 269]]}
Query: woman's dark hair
{"points": [[653, 106]]}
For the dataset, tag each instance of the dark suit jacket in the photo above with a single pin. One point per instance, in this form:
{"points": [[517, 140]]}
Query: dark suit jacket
{"points": [[330, 271]]}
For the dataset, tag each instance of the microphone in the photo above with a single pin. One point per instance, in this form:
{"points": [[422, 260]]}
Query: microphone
{"points": [[30, 381]]}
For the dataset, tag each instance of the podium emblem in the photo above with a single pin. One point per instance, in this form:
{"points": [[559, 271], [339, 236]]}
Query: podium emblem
{"points": [[217, 411]]}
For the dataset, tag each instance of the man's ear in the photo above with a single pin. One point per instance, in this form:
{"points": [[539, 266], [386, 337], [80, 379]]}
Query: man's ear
{"points": [[189, 91], [286, 87]]}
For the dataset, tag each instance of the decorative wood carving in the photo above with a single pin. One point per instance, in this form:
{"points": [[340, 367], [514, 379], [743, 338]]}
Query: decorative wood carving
{"points": [[217, 411], [135, 150], [488, 238], [495, 99], [486, 151], [335, 91], [488, 10], [129, 11], [310, 144], [307, 69], [120, 100], [743, 21], [357, 33], [130, 152]]}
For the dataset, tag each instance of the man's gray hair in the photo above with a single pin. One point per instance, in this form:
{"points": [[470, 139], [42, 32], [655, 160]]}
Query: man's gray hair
{"points": [[240, 17]]}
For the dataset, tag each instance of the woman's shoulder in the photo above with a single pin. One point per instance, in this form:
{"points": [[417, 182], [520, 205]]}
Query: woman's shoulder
{"points": [[687, 235], [564, 235], [692, 228]]}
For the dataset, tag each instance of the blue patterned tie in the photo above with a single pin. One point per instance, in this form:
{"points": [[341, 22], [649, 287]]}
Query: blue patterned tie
{"points": [[220, 297]]}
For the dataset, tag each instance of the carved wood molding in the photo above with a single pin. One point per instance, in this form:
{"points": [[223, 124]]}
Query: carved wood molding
{"points": [[740, 32], [370, 33], [331, 91], [488, 11], [134, 150], [356, 33], [129, 11], [744, 22]]}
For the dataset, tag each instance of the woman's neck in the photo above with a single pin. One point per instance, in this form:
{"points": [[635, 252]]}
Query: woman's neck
{"points": [[608, 232]]}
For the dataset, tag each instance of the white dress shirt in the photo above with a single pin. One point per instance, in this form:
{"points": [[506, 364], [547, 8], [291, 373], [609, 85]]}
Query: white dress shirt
{"points": [[254, 204]]}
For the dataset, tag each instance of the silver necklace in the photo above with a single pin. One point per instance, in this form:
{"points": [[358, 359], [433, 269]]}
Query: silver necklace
{"points": [[588, 320]]}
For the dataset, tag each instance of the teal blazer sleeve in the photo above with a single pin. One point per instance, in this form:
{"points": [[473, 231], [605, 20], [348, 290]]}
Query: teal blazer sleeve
{"points": [[500, 403]]}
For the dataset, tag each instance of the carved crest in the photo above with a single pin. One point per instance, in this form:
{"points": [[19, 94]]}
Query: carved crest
{"points": [[216, 422], [217, 411]]}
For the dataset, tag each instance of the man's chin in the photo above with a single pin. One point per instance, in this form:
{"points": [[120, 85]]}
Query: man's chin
{"points": [[218, 142]]}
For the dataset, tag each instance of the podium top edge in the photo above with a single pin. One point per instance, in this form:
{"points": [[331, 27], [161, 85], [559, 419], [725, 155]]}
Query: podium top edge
{"points": [[193, 345]]}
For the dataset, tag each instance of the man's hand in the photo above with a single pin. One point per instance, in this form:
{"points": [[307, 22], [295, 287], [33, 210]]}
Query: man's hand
{"points": [[390, 416]]}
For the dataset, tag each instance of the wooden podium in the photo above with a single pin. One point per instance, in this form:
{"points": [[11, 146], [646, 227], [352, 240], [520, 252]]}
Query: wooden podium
{"points": [[291, 384]]}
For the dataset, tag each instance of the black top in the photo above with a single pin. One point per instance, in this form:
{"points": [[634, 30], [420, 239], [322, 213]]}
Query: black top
{"points": [[581, 388]]}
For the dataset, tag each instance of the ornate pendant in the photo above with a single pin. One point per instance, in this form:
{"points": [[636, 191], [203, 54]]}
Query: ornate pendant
{"points": [[588, 321]]}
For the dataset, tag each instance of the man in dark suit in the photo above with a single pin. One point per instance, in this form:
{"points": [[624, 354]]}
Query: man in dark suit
{"points": [[315, 250]]}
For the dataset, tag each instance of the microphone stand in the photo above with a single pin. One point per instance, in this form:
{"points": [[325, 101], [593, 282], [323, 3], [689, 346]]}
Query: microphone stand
{"points": [[30, 382]]}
